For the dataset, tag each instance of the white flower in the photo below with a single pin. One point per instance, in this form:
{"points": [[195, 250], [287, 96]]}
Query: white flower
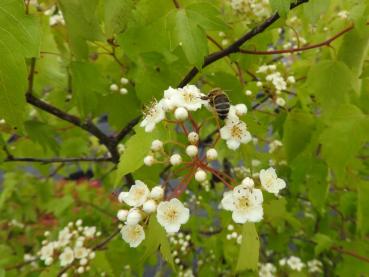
{"points": [[241, 109], [67, 257], [211, 154], [235, 133], [193, 137], [137, 194], [181, 114], [47, 251], [267, 270], [149, 206], [89, 232], [133, 234], [291, 79], [248, 182], [274, 145], [200, 175], [295, 263], [171, 214], [64, 236], [280, 101], [245, 204], [80, 252], [156, 145], [270, 181], [122, 196], [191, 150], [153, 115], [175, 159], [157, 193], [314, 266], [343, 14], [188, 97]]}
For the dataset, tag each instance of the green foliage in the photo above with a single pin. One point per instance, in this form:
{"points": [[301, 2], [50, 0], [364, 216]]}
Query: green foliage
{"points": [[249, 251]]}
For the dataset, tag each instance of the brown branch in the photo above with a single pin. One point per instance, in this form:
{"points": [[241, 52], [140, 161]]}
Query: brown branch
{"points": [[128, 128], [299, 49], [350, 253], [235, 47], [176, 4]]}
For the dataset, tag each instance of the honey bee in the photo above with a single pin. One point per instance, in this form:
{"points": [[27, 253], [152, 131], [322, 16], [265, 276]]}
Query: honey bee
{"points": [[219, 101]]}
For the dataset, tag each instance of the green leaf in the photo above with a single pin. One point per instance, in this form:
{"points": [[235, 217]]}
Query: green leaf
{"points": [[23, 28], [59, 205], [363, 208], [298, 129], [191, 37], [207, 16], [8, 187], [323, 242], [315, 8], [331, 82], [82, 24], [318, 185], [101, 263], [87, 84], [137, 147], [281, 6], [117, 15], [43, 134], [248, 256]]}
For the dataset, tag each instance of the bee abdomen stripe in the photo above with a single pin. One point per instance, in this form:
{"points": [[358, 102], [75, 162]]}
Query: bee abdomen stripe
{"points": [[223, 105]]}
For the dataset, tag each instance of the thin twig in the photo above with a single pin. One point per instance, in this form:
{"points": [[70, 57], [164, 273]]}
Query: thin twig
{"points": [[57, 160]]}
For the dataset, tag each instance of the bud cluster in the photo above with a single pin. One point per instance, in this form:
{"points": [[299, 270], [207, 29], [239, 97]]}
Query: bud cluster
{"points": [[120, 88]]}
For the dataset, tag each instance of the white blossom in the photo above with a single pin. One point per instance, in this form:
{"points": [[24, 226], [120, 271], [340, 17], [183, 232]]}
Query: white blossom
{"points": [[157, 193], [175, 159], [188, 97], [270, 181], [191, 150], [171, 214], [295, 263], [149, 206], [153, 115], [245, 204], [133, 234], [137, 194], [156, 145], [267, 270], [235, 133], [181, 114], [200, 175], [211, 154], [193, 137], [67, 257]]}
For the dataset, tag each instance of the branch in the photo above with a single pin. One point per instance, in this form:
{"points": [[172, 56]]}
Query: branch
{"points": [[128, 128], [235, 47], [299, 49]]}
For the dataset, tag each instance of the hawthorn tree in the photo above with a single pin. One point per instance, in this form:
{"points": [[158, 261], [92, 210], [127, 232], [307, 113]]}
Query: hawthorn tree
{"points": [[184, 137]]}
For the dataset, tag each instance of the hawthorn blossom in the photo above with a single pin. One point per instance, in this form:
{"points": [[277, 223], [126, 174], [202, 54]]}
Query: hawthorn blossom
{"points": [[153, 115], [171, 214], [235, 133], [67, 257], [80, 252], [47, 251], [137, 194], [267, 270], [295, 263], [133, 234], [245, 203], [188, 97], [270, 181]]}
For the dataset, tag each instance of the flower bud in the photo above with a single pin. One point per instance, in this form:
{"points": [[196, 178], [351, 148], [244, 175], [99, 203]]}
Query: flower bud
{"points": [[241, 109], [280, 101], [175, 159], [122, 215], [248, 92], [123, 91], [149, 160], [114, 87], [124, 81], [122, 196], [149, 206], [157, 193], [156, 145], [134, 217], [211, 154], [200, 175], [181, 114], [192, 150], [193, 137], [248, 182]]}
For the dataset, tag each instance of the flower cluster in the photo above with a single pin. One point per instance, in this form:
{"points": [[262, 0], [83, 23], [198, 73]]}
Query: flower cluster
{"points": [[251, 8], [267, 270], [273, 82], [71, 247], [55, 16], [245, 201], [121, 89], [292, 263], [233, 234], [143, 202]]}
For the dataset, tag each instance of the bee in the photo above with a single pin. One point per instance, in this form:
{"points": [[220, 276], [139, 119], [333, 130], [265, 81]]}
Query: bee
{"points": [[219, 101]]}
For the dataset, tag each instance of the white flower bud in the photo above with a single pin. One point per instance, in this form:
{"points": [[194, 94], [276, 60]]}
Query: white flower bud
{"points": [[175, 159], [248, 182], [241, 109], [291, 79], [79, 222], [83, 261], [211, 154], [134, 217], [280, 101], [92, 255], [230, 227], [200, 175], [157, 193], [123, 91], [259, 84], [114, 87], [47, 233], [193, 137], [124, 81], [149, 206], [149, 160], [191, 150], [49, 261], [122, 196], [80, 270], [122, 215], [156, 145], [248, 92], [181, 114]]}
